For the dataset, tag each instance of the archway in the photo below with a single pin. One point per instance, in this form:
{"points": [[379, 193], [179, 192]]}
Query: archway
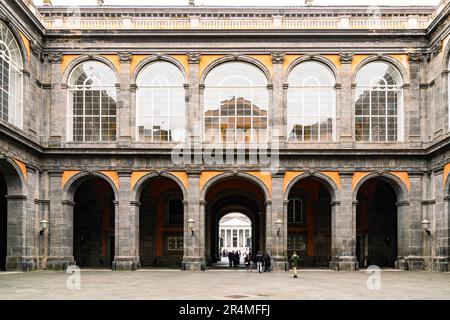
{"points": [[309, 222], [94, 223], [3, 222], [235, 238], [161, 216], [234, 194], [376, 224]]}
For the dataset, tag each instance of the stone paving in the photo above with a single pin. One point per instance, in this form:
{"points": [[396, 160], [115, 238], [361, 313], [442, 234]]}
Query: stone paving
{"points": [[224, 284]]}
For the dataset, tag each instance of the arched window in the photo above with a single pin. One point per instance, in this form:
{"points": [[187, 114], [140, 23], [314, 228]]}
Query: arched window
{"points": [[161, 107], [92, 103], [378, 103], [10, 78], [311, 103], [236, 103]]}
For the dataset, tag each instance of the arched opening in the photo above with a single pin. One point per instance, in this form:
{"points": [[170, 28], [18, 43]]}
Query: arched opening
{"points": [[235, 238], [309, 222], [94, 221], [230, 195], [161, 215], [3, 222], [376, 224]]}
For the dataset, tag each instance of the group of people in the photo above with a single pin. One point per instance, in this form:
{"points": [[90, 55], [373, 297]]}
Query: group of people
{"points": [[262, 261]]}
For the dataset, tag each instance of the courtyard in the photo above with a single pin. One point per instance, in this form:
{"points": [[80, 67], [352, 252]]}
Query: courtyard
{"points": [[165, 284]]}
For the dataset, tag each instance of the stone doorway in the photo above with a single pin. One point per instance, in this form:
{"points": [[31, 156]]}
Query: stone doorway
{"points": [[376, 224], [94, 224], [3, 222], [309, 223]]}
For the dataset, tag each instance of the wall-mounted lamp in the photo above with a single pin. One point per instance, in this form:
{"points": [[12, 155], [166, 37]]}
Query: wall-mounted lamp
{"points": [[279, 224], [43, 225], [426, 225], [191, 223]]}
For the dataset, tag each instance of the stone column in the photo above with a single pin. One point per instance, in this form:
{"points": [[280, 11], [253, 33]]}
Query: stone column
{"points": [[31, 219], [194, 244], [57, 103], [409, 215], [278, 107], [413, 105], [16, 238], [343, 227], [44, 208], [279, 237], [127, 227], [195, 112], [60, 225], [438, 239], [124, 113], [346, 101]]}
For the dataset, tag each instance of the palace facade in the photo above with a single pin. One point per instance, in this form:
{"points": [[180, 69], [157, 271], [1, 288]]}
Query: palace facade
{"points": [[127, 133]]}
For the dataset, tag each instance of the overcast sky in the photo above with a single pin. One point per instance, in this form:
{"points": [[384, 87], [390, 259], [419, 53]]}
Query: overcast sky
{"points": [[243, 2]]}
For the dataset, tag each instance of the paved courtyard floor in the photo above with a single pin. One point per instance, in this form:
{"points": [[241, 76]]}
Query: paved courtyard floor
{"points": [[223, 284]]}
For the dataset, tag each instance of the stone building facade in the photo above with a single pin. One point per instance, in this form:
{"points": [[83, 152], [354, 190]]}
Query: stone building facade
{"points": [[352, 102]]}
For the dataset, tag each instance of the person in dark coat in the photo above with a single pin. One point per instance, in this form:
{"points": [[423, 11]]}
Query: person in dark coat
{"points": [[266, 263], [236, 259], [231, 258], [259, 262]]}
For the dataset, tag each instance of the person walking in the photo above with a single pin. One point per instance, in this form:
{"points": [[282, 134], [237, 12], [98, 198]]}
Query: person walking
{"points": [[294, 263], [248, 263], [266, 263], [230, 258], [259, 262]]}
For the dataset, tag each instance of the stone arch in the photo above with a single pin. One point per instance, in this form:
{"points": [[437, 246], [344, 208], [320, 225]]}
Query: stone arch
{"points": [[85, 58], [165, 58], [236, 58], [327, 182], [322, 60], [15, 180], [242, 175], [137, 189], [13, 217], [400, 189], [14, 30], [74, 182], [383, 58]]}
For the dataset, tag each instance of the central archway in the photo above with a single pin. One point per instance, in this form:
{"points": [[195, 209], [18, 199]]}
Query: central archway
{"points": [[94, 223], [161, 218], [309, 214], [234, 194], [377, 224]]}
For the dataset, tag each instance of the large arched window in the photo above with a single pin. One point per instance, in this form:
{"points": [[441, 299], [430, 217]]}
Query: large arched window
{"points": [[11, 66], [92, 103], [236, 104], [161, 107], [378, 103], [311, 103]]}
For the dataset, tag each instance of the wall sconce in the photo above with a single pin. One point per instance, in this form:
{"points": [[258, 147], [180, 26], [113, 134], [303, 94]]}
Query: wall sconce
{"points": [[426, 226], [279, 224], [191, 223], [43, 225]]}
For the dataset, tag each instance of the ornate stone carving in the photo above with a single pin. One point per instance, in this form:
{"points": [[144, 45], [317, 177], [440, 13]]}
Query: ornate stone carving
{"points": [[193, 57], [415, 56], [436, 48], [125, 56], [278, 57], [55, 57], [346, 57]]}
